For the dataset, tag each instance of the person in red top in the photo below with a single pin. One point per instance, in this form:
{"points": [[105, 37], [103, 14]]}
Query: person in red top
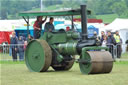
{"points": [[67, 28], [38, 26]]}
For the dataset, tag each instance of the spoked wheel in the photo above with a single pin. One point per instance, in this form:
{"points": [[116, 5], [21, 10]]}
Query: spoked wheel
{"points": [[38, 56], [96, 62], [66, 66]]}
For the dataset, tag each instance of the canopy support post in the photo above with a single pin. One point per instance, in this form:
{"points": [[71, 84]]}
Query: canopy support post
{"points": [[27, 21], [72, 23]]}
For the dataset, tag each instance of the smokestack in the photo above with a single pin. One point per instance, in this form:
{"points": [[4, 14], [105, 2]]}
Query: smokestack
{"points": [[84, 21]]}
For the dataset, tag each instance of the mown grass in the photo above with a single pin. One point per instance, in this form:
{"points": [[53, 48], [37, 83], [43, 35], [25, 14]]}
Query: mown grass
{"points": [[107, 18], [12, 62], [17, 74], [124, 55]]}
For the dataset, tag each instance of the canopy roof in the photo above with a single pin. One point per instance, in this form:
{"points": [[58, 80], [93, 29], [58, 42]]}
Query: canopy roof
{"points": [[53, 13]]}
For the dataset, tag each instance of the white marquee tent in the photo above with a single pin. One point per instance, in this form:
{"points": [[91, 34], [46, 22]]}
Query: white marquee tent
{"points": [[122, 26], [5, 25], [117, 24]]}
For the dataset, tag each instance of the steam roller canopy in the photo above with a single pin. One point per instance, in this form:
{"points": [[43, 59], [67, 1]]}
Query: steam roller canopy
{"points": [[38, 56], [96, 62]]}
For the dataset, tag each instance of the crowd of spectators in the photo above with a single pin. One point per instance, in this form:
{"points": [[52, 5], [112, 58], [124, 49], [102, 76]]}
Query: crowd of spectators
{"points": [[18, 46], [112, 40]]}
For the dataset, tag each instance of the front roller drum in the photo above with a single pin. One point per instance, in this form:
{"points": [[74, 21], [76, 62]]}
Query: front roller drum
{"points": [[96, 62], [38, 56]]}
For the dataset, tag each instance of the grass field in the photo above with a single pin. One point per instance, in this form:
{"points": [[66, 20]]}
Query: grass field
{"points": [[16, 73], [124, 56], [107, 18]]}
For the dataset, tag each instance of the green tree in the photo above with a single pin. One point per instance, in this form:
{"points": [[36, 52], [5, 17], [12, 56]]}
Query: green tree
{"points": [[119, 7], [4, 10], [101, 6], [3, 13], [13, 7], [73, 3], [126, 1]]}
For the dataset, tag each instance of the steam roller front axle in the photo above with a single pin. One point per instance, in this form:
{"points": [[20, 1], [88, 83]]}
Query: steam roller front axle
{"points": [[96, 62]]}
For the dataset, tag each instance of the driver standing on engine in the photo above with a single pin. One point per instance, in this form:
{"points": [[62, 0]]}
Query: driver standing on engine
{"points": [[38, 26], [49, 27]]}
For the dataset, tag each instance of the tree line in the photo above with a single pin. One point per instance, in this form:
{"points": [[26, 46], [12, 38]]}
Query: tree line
{"points": [[100, 7], [11, 8]]}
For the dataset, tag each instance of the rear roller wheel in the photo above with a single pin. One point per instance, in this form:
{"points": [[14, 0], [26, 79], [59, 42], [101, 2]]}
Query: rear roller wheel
{"points": [[96, 62], [38, 56]]}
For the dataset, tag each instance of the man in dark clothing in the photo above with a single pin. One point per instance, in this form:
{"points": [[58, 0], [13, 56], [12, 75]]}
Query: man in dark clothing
{"points": [[21, 48], [38, 26], [13, 46], [110, 43], [49, 27]]}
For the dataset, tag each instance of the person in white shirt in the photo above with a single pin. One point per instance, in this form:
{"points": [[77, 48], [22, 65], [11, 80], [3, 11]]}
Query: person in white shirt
{"points": [[104, 42]]}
